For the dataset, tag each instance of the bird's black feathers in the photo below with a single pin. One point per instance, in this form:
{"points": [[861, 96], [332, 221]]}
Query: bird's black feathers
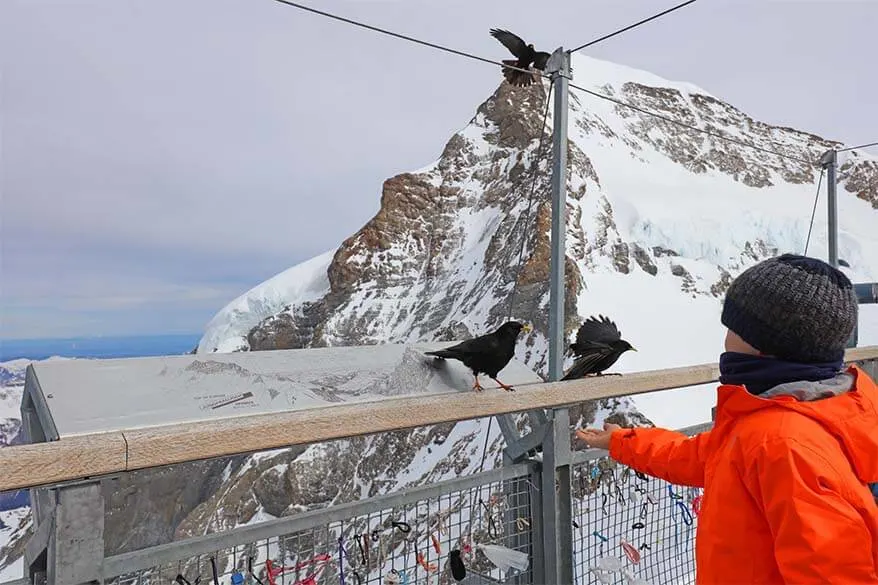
{"points": [[526, 56], [598, 345], [511, 41], [593, 330], [585, 364], [541, 59], [485, 354]]}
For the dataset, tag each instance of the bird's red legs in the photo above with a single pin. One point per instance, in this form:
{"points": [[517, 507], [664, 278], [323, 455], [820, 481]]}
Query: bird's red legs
{"points": [[476, 386], [504, 386]]}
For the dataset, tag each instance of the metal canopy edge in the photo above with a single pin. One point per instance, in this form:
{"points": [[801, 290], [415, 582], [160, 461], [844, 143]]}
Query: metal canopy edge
{"points": [[79, 397], [35, 413]]}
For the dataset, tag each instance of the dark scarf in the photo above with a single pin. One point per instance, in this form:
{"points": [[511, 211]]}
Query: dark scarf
{"points": [[760, 373]]}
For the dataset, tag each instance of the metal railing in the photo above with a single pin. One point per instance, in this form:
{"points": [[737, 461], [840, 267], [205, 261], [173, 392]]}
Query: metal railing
{"points": [[602, 522], [411, 533], [107, 453]]}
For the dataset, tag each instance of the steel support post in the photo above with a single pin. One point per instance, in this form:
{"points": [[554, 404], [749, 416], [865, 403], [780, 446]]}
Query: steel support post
{"points": [[538, 559], [557, 523], [74, 553], [830, 163], [551, 558], [559, 214], [551, 522], [555, 501], [516, 491]]}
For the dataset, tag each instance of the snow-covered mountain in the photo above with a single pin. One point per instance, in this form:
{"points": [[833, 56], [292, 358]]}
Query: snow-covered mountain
{"points": [[660, 218]]}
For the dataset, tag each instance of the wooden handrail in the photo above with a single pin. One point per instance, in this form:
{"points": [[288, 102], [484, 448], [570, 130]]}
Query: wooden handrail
{"points": [[84, 456], [73, 458]]}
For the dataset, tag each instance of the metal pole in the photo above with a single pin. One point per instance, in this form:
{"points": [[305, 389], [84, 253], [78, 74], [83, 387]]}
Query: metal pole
{"points": [[75, 547], [829, 161], [518, 498], [555, 504], [559, 213]]}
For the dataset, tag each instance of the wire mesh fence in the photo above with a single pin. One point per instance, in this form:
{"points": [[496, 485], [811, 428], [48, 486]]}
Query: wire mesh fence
{"points": [[627, 528], [405, 544], [631, 528]]}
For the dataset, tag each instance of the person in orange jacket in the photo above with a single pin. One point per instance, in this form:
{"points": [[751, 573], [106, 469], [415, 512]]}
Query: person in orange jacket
{"points": [[786, 467]]}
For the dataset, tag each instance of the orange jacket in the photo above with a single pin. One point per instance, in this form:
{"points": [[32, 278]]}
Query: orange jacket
{"points": [[785, 494]]}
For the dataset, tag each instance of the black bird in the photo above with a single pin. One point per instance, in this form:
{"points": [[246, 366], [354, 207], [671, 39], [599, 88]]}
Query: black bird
{"points": [[598, 345], [486, 354], [526, 55]]}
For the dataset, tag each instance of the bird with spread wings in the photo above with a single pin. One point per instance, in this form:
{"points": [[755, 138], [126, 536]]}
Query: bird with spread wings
{"points": [[598, 345], [525, 55]]}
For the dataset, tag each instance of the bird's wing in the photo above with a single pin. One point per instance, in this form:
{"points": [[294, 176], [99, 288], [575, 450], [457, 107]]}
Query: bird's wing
{"points": [[511, 41], [586, 363], [601, 331], [541, 58], [584, 347], [481, 344]]}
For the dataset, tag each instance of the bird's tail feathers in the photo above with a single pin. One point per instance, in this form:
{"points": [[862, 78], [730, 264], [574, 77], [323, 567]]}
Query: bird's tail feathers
{"points": [[576, 371], [514, 76], [442, 353], [581, 367]]}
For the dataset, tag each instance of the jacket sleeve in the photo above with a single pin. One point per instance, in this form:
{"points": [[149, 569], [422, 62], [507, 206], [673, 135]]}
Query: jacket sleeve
{"points": [[661, 453], [819, 536]]}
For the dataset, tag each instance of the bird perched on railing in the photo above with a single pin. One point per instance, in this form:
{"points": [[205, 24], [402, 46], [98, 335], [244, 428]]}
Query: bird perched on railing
{"points": [[486, 354], [598, 345], [525, 56]]}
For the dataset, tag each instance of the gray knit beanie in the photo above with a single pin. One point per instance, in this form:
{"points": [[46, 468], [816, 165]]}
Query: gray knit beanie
{"points": [[792, 307]]}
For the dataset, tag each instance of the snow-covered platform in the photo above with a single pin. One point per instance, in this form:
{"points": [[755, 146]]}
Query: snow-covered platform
{"points": [[80, 397]]}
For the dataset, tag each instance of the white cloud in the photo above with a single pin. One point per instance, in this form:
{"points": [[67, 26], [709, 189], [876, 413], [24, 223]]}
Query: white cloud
{"points": [[217, 142]]}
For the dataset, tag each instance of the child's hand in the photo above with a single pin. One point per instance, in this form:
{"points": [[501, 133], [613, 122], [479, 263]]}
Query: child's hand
{"points": [[598, 439]]}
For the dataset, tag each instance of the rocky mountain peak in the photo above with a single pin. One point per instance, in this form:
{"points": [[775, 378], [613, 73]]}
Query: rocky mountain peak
{"points": [[660, 218]]}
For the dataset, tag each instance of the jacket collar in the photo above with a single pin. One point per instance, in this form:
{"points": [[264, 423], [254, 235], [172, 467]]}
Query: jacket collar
{"points": [[851, 417]]}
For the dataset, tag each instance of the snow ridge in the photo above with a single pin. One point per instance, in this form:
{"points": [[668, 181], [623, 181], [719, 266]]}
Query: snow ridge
{"points": [[304, 282]]}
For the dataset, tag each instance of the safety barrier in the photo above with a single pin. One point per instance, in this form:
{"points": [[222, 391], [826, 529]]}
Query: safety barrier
{"points": [[573, 517]]}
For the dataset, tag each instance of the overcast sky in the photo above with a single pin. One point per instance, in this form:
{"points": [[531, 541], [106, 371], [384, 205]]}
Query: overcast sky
{"points": [[160, 157]]}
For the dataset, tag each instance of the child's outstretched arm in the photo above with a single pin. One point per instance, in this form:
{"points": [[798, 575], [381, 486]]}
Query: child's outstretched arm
{"points": [[661, 453]]}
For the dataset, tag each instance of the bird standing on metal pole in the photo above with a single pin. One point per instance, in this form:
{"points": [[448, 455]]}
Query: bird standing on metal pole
{"points": [[526, 55]]}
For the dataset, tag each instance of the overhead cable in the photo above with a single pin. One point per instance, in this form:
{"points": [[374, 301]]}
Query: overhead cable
{"points": [[630, 26]]}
